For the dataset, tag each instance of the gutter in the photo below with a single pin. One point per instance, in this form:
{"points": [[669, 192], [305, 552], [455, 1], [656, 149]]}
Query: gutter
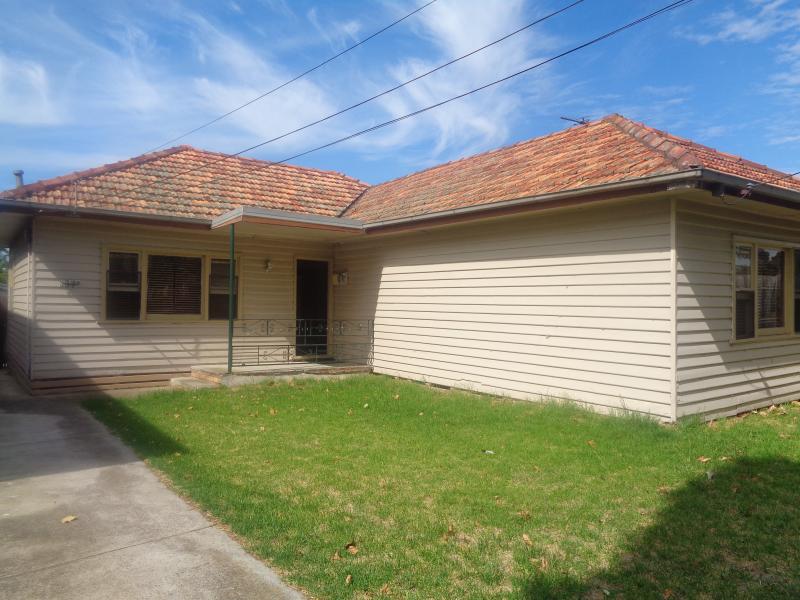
{"points": [[709, 180], [653, 184], [35, 208], [762, 192]]}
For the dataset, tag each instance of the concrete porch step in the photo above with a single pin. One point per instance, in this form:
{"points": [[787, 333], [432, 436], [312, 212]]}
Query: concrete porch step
{"points": [[190, 383], [218, 375]]}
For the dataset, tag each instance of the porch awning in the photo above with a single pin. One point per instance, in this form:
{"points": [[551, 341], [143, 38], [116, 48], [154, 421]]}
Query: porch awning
{"points": [[264, 216]]}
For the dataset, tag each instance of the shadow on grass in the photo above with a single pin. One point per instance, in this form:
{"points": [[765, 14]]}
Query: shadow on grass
{"points": [[734, 535], [146, 439]]}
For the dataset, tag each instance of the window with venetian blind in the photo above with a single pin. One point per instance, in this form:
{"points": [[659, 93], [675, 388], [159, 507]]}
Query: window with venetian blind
{"points": [[767, 295], [174, 285]]}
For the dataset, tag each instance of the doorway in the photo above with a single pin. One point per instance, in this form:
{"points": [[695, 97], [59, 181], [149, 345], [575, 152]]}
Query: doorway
{"points": [[311, 303]]}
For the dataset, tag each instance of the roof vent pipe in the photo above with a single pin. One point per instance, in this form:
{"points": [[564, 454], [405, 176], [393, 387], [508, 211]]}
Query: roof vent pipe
{"points": [[18, 174]]}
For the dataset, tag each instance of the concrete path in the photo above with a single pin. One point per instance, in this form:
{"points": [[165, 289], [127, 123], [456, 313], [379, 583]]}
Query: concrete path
{"points": [[133, 537]]}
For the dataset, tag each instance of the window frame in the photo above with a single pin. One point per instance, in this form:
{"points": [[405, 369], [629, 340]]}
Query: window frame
{"points": [[764, 334], [143, 254], [237, 268], [106, 264]]}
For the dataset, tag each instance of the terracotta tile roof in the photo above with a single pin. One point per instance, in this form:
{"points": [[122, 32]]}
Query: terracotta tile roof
{"points": [[608, 150], [204, 193]]}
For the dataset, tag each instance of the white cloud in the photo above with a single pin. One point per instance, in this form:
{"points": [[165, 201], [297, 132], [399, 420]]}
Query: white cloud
{"points": [[768, 18], [137, 75], [760, 21], [25, 96], [338, 34], [479, 121]]}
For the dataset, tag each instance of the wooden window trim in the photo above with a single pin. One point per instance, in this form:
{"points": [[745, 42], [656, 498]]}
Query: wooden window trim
{"points": [[760, 334], [143, 254]]}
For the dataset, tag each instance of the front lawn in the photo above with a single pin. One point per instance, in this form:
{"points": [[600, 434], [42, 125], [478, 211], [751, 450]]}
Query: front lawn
{"points": [[372, 487]]}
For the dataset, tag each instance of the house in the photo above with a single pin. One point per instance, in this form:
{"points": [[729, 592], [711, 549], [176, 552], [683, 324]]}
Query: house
{"points": [[609, 263]]}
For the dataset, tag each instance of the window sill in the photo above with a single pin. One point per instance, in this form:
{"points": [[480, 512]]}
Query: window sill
{"points": [[164, 321], [764, 339]]}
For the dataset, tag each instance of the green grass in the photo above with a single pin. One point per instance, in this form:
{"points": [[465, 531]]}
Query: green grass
{"points": [[569, 504]]}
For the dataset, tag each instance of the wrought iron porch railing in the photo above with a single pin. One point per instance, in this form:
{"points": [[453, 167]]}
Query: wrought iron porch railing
{"points": [[288, 340]]}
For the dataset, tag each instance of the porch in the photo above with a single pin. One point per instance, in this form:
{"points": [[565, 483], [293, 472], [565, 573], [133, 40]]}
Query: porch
{"points": [[266, 348]]}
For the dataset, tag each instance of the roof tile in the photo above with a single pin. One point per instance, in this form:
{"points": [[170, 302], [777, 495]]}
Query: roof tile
{"points": [[605, 151], [184, 181]]}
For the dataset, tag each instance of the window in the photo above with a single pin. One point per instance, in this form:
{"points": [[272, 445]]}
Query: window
{"points": [[123, 286], [745, 293], [218, 290], [771, 288], [763, 276], [174, 285], [797, 291], [159, 285]]}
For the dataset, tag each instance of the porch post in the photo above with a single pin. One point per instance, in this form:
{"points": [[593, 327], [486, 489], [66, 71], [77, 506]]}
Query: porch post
{"points": [[231, 286]]}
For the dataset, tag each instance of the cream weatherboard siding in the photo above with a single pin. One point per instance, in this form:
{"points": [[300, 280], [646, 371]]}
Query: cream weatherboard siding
{"points": [[573, 305], [70, 339], [716, 376], [20, 305]]}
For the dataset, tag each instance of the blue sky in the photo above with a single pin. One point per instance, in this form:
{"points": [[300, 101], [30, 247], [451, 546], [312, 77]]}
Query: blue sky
{"points": [[85, 83]]}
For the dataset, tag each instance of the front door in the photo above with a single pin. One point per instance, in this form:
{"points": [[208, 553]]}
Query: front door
{"points": [[312, 307]]}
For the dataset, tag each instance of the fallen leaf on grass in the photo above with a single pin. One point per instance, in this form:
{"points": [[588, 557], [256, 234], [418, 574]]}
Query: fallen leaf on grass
{"points": [[348, 580], [540, 563], [703, 459], [592, 443], [525, 515], [725, 458], [366, 406], [273, 412], [397, 396], [488, 451], [528, 541], [384, 589], [451, 531], [352, 548], [69, 519], [336, 556]]}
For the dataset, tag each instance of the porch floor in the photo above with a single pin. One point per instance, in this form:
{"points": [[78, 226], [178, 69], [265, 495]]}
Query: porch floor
{"points": [[218, 374]]}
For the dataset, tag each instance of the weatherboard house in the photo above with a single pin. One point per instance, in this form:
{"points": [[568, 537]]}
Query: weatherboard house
{"points": [[610, 263]]}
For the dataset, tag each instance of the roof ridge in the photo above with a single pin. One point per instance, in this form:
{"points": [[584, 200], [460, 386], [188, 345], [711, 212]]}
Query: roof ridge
{"points": [[47, 184], [662, 142]]}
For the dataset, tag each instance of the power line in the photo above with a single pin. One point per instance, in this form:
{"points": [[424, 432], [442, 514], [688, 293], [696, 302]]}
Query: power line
{"points": [[293, 79], [640, 20], [372, 98], [747, 190]]}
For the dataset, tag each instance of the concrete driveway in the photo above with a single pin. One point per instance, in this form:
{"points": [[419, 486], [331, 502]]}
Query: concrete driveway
{"points": [[133, 537]]}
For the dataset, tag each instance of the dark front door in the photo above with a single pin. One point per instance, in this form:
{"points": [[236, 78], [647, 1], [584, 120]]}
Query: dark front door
{"points": [[312, 307]]}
